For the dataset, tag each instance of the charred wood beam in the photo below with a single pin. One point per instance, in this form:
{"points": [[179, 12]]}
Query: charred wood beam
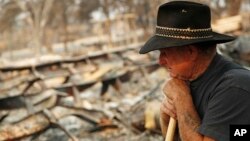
{"points": [[95, 55]]}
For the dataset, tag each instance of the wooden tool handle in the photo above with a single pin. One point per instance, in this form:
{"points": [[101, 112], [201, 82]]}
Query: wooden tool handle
{"points": [[171, 130]]}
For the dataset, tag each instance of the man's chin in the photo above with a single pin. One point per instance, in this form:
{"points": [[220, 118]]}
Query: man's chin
{"points": [[173, 75], [178, 77]]}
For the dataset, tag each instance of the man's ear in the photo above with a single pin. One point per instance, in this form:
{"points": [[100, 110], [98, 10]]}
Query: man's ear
{"points": [[193, 52]]}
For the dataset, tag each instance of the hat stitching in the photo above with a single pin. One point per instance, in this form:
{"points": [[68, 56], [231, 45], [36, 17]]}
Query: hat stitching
{"points": [[187, 29], [184, 37]]}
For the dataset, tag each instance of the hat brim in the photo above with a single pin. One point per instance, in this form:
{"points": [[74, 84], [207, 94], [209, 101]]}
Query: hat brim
{"points": [[158, 42]]}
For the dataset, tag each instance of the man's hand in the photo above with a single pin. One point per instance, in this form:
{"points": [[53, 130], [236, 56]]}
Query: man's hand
{"points": [[176, 89], [168, 109], [179, 105]]}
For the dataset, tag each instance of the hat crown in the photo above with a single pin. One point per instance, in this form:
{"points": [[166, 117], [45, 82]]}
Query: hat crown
{"points": [[183, 15]]}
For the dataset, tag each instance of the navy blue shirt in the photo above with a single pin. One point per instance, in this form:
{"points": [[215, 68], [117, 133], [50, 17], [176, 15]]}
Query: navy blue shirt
{"points": [[221, 96]]}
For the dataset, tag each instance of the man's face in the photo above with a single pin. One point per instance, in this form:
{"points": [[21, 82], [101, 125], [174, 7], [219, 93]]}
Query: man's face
{"points": [[178, 60]]}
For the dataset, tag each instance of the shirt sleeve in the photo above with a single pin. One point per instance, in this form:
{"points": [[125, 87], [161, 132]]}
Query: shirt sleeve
{"points": [[227, 106]]}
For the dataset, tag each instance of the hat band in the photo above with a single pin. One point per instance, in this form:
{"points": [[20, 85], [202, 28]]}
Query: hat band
{"points": [[184, 33]]}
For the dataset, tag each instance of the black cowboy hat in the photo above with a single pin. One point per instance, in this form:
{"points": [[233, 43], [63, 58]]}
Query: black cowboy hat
{"points": [[182, 23]]}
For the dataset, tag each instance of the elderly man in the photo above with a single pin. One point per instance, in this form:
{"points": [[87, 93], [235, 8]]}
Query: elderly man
{"points": [[206, 93]]}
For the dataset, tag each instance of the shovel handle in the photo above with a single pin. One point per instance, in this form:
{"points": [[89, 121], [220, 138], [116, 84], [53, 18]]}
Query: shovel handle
{"points": [[171, 130]]}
